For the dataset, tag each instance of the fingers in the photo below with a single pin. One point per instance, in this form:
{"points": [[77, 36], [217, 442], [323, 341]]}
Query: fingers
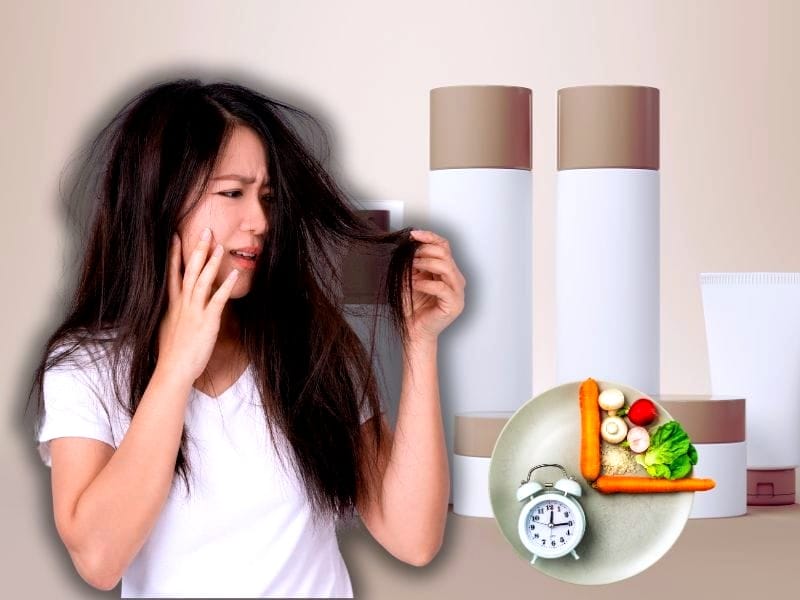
{"points": [[195, 264], [174, 270], [435, 256], [432, 251], [433, 246], [450, 299], [446, 269], [433, 287], [207, 276], [430, 237], [221, 296]]}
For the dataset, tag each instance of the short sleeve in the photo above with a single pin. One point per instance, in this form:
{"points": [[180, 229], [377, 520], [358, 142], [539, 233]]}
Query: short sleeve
{"points": [[72, 408]]}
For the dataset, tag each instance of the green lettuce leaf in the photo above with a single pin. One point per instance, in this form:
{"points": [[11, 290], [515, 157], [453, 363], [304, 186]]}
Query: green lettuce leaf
{"points": [[692, 454], [680, 467], [671, 453]]}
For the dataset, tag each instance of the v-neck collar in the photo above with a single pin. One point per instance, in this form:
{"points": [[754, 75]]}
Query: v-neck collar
{"points": [[227, 391]]}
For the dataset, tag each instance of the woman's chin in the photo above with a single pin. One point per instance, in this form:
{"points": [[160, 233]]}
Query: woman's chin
{"points": [[240, 289]]}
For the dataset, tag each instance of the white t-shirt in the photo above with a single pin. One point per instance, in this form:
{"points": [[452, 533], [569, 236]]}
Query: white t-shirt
{"points": [[246, 530]]}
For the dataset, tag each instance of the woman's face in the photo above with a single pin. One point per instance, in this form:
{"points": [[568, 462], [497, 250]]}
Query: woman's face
{"points": [[232, 207]]}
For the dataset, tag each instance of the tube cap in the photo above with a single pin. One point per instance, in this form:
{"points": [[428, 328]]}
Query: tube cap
{"points": [[768, 487]]}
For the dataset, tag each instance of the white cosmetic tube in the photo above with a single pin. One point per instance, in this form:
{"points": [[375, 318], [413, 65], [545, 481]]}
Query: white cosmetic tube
{"points": [[753, 334]]}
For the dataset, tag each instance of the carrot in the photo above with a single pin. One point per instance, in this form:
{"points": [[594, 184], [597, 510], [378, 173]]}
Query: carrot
{"points": [[590, 429], [612, 484]]}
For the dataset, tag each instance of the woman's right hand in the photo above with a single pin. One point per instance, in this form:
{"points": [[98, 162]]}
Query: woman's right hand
{"points": [[188, 331]]}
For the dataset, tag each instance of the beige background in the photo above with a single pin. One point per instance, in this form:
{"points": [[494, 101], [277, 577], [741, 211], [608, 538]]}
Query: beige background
{"points": [[728, 79]]}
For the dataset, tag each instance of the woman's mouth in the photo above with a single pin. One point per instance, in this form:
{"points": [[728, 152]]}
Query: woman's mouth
{"points": [[244, 260]]}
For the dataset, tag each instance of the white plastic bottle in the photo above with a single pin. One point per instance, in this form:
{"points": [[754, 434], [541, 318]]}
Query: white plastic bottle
{"points": [[607, 235], [481, 200]]}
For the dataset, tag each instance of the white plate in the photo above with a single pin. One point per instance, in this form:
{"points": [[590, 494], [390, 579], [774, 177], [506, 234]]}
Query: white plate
{"points": [[625, 533]]}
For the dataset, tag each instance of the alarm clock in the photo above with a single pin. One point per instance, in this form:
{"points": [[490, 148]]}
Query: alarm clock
{"points": [[552, 522]]}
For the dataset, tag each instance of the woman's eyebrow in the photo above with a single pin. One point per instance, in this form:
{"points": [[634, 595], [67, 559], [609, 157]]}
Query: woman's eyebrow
{"points": [[237, 177]]}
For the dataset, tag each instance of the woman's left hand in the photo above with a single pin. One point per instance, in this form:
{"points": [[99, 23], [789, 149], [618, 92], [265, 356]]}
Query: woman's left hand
{"points": [[437, 287]]}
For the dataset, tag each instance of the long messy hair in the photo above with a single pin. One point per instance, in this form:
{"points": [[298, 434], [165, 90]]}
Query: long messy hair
{"points": [[315, 375]]}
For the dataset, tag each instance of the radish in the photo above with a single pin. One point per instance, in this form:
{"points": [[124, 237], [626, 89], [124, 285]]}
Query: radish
{"points": [[642, 412], [638, 439]]}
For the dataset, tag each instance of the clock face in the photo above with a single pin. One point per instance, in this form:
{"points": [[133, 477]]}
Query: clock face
{"points": [[552, 525]]}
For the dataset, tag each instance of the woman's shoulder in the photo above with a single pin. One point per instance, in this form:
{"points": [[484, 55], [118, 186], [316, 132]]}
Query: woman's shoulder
{"points": [[89, 358]]}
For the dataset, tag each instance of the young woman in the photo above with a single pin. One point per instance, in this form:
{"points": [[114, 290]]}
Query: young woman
{"points": [[207, 412]]}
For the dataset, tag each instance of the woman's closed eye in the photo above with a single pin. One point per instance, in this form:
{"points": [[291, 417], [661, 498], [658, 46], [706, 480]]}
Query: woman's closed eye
{"points": [[268, 197]]}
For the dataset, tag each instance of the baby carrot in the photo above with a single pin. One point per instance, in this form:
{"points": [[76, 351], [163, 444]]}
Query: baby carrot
{"points": [[612, 484], [590, 429]]}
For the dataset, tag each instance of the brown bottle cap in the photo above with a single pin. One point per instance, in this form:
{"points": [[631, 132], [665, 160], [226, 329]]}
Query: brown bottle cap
{"points": [[608, 126], [480, 126]]}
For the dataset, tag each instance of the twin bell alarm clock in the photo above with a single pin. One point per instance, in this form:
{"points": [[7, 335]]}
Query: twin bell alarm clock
{"points": [[552, 522]]}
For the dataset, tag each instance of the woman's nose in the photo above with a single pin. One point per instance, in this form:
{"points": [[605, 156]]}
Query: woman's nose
{"points": [[255, 218]]}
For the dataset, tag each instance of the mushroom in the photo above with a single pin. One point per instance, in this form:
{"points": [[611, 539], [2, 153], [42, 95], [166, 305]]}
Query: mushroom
{"points": [[638, 439], [613, 430], [611, 400]]}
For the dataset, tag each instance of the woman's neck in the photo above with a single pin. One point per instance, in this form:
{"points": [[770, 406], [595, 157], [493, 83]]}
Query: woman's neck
{"points": [[228, 347], [229, 330]]}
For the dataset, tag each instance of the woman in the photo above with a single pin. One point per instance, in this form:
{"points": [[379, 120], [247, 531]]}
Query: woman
{"points": [[206, 345]]}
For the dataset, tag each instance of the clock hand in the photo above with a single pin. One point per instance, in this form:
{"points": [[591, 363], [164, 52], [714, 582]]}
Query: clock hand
{"points": [[551, 518]]}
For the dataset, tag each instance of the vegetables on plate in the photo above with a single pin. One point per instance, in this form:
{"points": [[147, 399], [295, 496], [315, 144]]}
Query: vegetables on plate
{"points": [[665, 452], [671, 454]]}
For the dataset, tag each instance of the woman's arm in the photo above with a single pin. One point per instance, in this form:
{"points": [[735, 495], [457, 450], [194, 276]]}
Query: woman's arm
{"points": [[407, 509], [106, 503], [106, 509]]}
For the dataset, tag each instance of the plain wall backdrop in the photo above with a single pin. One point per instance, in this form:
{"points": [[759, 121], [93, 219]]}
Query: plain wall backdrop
{"points": [[727, 71]]}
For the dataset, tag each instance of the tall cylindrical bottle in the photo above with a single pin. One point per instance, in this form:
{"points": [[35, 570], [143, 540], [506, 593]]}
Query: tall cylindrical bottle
{"points": [[607, 235], [480, 189]]}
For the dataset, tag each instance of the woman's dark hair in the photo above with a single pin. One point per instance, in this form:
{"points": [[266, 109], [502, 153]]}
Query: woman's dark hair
{"points": [[315, 375]]}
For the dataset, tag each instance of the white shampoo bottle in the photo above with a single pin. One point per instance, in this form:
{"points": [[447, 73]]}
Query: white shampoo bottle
{"points": [[480, 194], [607, 235]]}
